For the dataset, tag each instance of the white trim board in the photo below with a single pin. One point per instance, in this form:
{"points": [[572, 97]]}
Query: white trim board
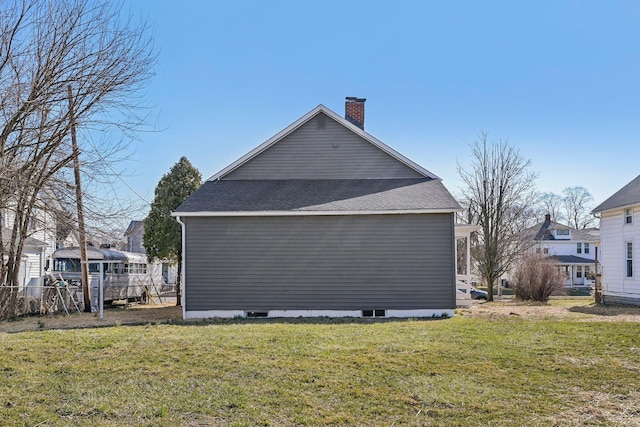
{"points": [[309, 213], [230, 314]]}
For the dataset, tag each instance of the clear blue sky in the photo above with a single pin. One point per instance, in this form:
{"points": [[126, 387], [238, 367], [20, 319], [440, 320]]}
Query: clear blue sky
{"points": [[559, 79]]}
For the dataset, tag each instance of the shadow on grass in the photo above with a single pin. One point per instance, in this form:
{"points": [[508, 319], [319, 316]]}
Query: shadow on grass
{"points": [[607, 310]]}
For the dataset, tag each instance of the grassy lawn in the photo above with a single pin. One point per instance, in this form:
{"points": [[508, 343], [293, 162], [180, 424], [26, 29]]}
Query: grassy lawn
{"points": [[464, 371]]}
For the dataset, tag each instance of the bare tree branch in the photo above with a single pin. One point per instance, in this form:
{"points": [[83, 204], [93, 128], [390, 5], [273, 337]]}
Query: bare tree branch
{"points": [[499, 194], [45, 46]]}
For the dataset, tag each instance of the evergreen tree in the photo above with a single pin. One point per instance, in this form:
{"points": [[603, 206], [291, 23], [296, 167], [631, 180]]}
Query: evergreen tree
{"points": [[162, 233]]}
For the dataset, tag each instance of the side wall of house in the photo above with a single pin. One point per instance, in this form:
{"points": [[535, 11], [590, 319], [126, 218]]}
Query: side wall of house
{"points": [[614, 234], [323, 149], [358, 262]]}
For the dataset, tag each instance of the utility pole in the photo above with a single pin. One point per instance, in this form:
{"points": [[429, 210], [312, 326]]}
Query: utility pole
{"points": [[84, 266]]}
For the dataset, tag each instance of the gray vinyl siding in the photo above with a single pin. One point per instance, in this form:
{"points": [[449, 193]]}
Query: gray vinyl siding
{"points": [[320, 262], [323, 149]]}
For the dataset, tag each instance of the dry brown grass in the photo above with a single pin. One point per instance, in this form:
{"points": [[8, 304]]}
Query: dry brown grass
{"points": [[132, 315]]}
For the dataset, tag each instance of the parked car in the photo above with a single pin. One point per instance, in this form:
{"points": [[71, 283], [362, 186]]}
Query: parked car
{"points": [[478, 294]]}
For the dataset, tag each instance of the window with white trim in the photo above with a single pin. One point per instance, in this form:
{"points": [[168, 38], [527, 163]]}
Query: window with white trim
{"points": [[579, 271], [628, 216], [629, 259], [579, 247], [586, 248]]}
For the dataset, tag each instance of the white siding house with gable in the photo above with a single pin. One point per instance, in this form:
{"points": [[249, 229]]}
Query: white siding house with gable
{"points": [[620, 235], [574, 249]]}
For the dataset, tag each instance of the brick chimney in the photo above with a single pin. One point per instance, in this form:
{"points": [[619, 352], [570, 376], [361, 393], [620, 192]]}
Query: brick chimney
{"points": [[354, 110]]}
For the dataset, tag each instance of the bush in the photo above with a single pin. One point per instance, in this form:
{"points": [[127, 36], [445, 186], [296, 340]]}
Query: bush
{"points": [[536, 278]]}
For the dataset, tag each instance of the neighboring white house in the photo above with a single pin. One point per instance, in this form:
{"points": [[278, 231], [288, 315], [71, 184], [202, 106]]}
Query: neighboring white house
{"points": [[135, 235], [574, 250], [620, 234], [38, 247]]}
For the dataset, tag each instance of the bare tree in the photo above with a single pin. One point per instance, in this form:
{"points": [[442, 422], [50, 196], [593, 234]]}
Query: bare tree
{"points": [[499, 193], [578, 204], [46, 46], [551, 204]]}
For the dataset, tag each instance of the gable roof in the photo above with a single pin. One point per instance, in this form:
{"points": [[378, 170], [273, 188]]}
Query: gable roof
{"points": [[543, 231], [627, 196], [304, 119], [302, 194]]}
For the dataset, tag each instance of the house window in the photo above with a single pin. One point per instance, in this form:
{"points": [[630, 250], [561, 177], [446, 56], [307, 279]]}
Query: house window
{"points": [[562, 232], [579, 271], [545, 250], [538, 250], [32, 219], [579, 248], [586, 248], [628, 216], [629, 259]]}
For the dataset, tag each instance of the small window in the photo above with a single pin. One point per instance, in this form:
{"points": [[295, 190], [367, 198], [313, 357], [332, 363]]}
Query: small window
{"points": [[374, 313], [579, 247], [545, 250], [629, 259], [586, 248], [579, 271], [628, 216], [256, 314], [538, 250], [562, 232]]}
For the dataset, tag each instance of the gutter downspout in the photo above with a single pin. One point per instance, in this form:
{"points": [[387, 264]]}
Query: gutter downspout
{"points": [[182, 272]]}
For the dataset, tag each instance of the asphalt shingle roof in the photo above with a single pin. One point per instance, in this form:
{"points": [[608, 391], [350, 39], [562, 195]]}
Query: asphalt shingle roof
{"points": [[543, 231], [572, 259], [626, 196], [320, 195]]}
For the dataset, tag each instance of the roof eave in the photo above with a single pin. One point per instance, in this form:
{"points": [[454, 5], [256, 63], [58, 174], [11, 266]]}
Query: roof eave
{"points": [[310, 213]]}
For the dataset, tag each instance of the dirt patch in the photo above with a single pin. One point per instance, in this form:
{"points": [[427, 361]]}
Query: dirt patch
{"points": [[578, 309], [569, 309]]}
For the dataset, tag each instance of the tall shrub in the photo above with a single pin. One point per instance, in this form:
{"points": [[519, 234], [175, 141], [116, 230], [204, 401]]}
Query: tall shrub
{"points": [[536, 278]]}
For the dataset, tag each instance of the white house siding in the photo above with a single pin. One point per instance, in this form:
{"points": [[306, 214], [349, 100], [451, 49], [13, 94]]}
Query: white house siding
{"points": [[37, 250], [616, 287]]}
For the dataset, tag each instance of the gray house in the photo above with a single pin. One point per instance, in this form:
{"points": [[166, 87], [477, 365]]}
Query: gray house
{"points": [[322, 219]]}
